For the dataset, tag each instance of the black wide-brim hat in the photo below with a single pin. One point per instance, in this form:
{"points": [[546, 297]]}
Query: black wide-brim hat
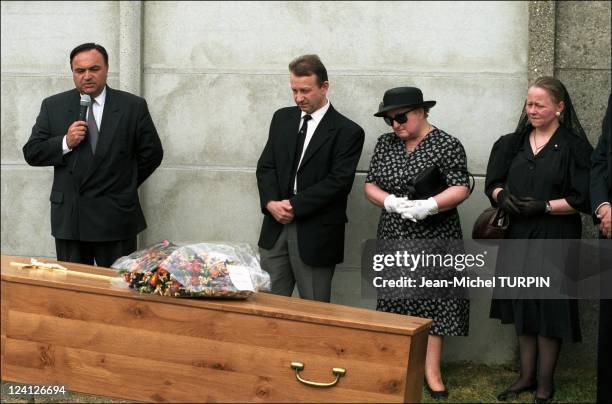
{"points": [[402, 97]]}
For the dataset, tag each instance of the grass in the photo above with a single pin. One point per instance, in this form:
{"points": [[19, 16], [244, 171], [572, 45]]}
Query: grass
{"points": [[475, 383], [467, 382]]}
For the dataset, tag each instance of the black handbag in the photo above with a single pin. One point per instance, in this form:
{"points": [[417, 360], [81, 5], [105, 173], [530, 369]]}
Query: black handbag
{"points": [[491, 224], [428, 183]]}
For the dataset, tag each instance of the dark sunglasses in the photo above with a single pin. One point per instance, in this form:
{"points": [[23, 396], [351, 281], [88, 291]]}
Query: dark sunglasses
{"points": [[400, 118]]}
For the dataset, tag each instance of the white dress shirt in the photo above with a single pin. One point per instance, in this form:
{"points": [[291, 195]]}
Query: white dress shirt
{"points": [[98, 108], [317, 116]]}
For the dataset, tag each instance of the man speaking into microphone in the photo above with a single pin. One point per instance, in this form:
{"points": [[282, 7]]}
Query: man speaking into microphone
{"points": [[103, 145]]}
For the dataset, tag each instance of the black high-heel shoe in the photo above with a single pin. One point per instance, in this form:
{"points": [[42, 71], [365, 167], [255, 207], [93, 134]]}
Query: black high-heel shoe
{"points": [[513, 393], [544, 400], [437, 395]]}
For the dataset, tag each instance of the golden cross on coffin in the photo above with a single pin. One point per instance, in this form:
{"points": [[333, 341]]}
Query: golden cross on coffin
{"points": [[35, 264]]}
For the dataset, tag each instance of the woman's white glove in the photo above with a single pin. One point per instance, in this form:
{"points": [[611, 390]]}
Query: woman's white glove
{"points": [[393, 204], [420, 209]]}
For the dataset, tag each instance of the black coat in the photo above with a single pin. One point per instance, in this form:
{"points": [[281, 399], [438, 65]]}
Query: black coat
{"points": [[569, 164], [601, 168], [324, 180], [560, 170], [95, 197]]}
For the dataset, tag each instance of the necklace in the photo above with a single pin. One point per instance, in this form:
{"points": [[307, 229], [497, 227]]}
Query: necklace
{"points": [[535, 143]]}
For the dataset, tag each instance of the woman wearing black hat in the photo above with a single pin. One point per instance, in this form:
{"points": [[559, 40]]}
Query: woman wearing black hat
{"points": [[414, 147], [539, 175]]}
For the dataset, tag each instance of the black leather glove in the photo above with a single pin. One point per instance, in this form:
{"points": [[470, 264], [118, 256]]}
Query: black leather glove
{"points": [[507, 202], [530, 207]]}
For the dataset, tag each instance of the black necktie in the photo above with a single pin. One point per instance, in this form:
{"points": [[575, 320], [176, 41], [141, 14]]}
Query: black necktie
{"points": [[299, 146]]}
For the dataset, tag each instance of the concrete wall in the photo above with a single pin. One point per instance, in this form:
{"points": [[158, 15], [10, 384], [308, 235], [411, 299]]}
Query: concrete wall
{"points": [[582, 61], [233, 75], [213, 74], [36, 41]]}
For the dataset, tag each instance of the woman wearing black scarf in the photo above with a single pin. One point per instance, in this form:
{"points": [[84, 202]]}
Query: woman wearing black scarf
{"points": [[540, 176]]}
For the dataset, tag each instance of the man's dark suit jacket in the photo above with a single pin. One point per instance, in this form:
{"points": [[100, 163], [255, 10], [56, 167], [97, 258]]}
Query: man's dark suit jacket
{"points": [[601, 169], [94, 197], [601, 191], [324, 180]]}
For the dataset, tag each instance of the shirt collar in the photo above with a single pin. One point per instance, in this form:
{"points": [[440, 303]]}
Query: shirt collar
{"points": [[101, 98], [319, 113]]}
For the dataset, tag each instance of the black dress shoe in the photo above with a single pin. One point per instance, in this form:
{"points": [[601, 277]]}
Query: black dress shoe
{"points": [[437, 395], [513, 393]]}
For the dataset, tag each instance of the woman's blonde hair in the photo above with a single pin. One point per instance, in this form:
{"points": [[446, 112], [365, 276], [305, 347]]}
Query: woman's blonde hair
{"points": [[553, 86]]}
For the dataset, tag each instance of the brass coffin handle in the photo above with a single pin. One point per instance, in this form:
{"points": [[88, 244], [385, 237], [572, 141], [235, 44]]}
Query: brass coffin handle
{"points": [[298, 366]]}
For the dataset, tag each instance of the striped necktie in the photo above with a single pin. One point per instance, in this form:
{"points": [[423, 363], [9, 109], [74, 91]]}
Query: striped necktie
{"points": [[92, 128]]}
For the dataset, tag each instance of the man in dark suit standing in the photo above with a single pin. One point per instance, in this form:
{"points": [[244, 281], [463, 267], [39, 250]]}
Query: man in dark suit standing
{"points": [[304, 176], [99, 163], [601, 196]]}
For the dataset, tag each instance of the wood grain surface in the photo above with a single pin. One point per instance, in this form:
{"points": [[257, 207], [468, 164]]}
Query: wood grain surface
{"points": [[261, 304], [100, 339]]}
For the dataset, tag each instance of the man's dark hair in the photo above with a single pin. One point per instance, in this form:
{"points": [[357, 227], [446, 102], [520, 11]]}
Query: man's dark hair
{"points": [[308, 65], [88, 46]]}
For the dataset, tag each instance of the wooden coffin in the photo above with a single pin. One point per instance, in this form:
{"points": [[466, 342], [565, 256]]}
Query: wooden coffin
{"points": [[95, 338]]}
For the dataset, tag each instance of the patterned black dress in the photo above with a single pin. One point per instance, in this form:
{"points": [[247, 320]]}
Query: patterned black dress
{"points": [[390, 169]]}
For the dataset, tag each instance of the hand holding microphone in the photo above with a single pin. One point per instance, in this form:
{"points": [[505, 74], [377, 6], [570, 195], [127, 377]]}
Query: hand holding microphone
{"points": [[77, 131]]}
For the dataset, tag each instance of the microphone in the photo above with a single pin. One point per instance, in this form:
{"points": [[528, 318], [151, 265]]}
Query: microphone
{"points": [[84, 103]]}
